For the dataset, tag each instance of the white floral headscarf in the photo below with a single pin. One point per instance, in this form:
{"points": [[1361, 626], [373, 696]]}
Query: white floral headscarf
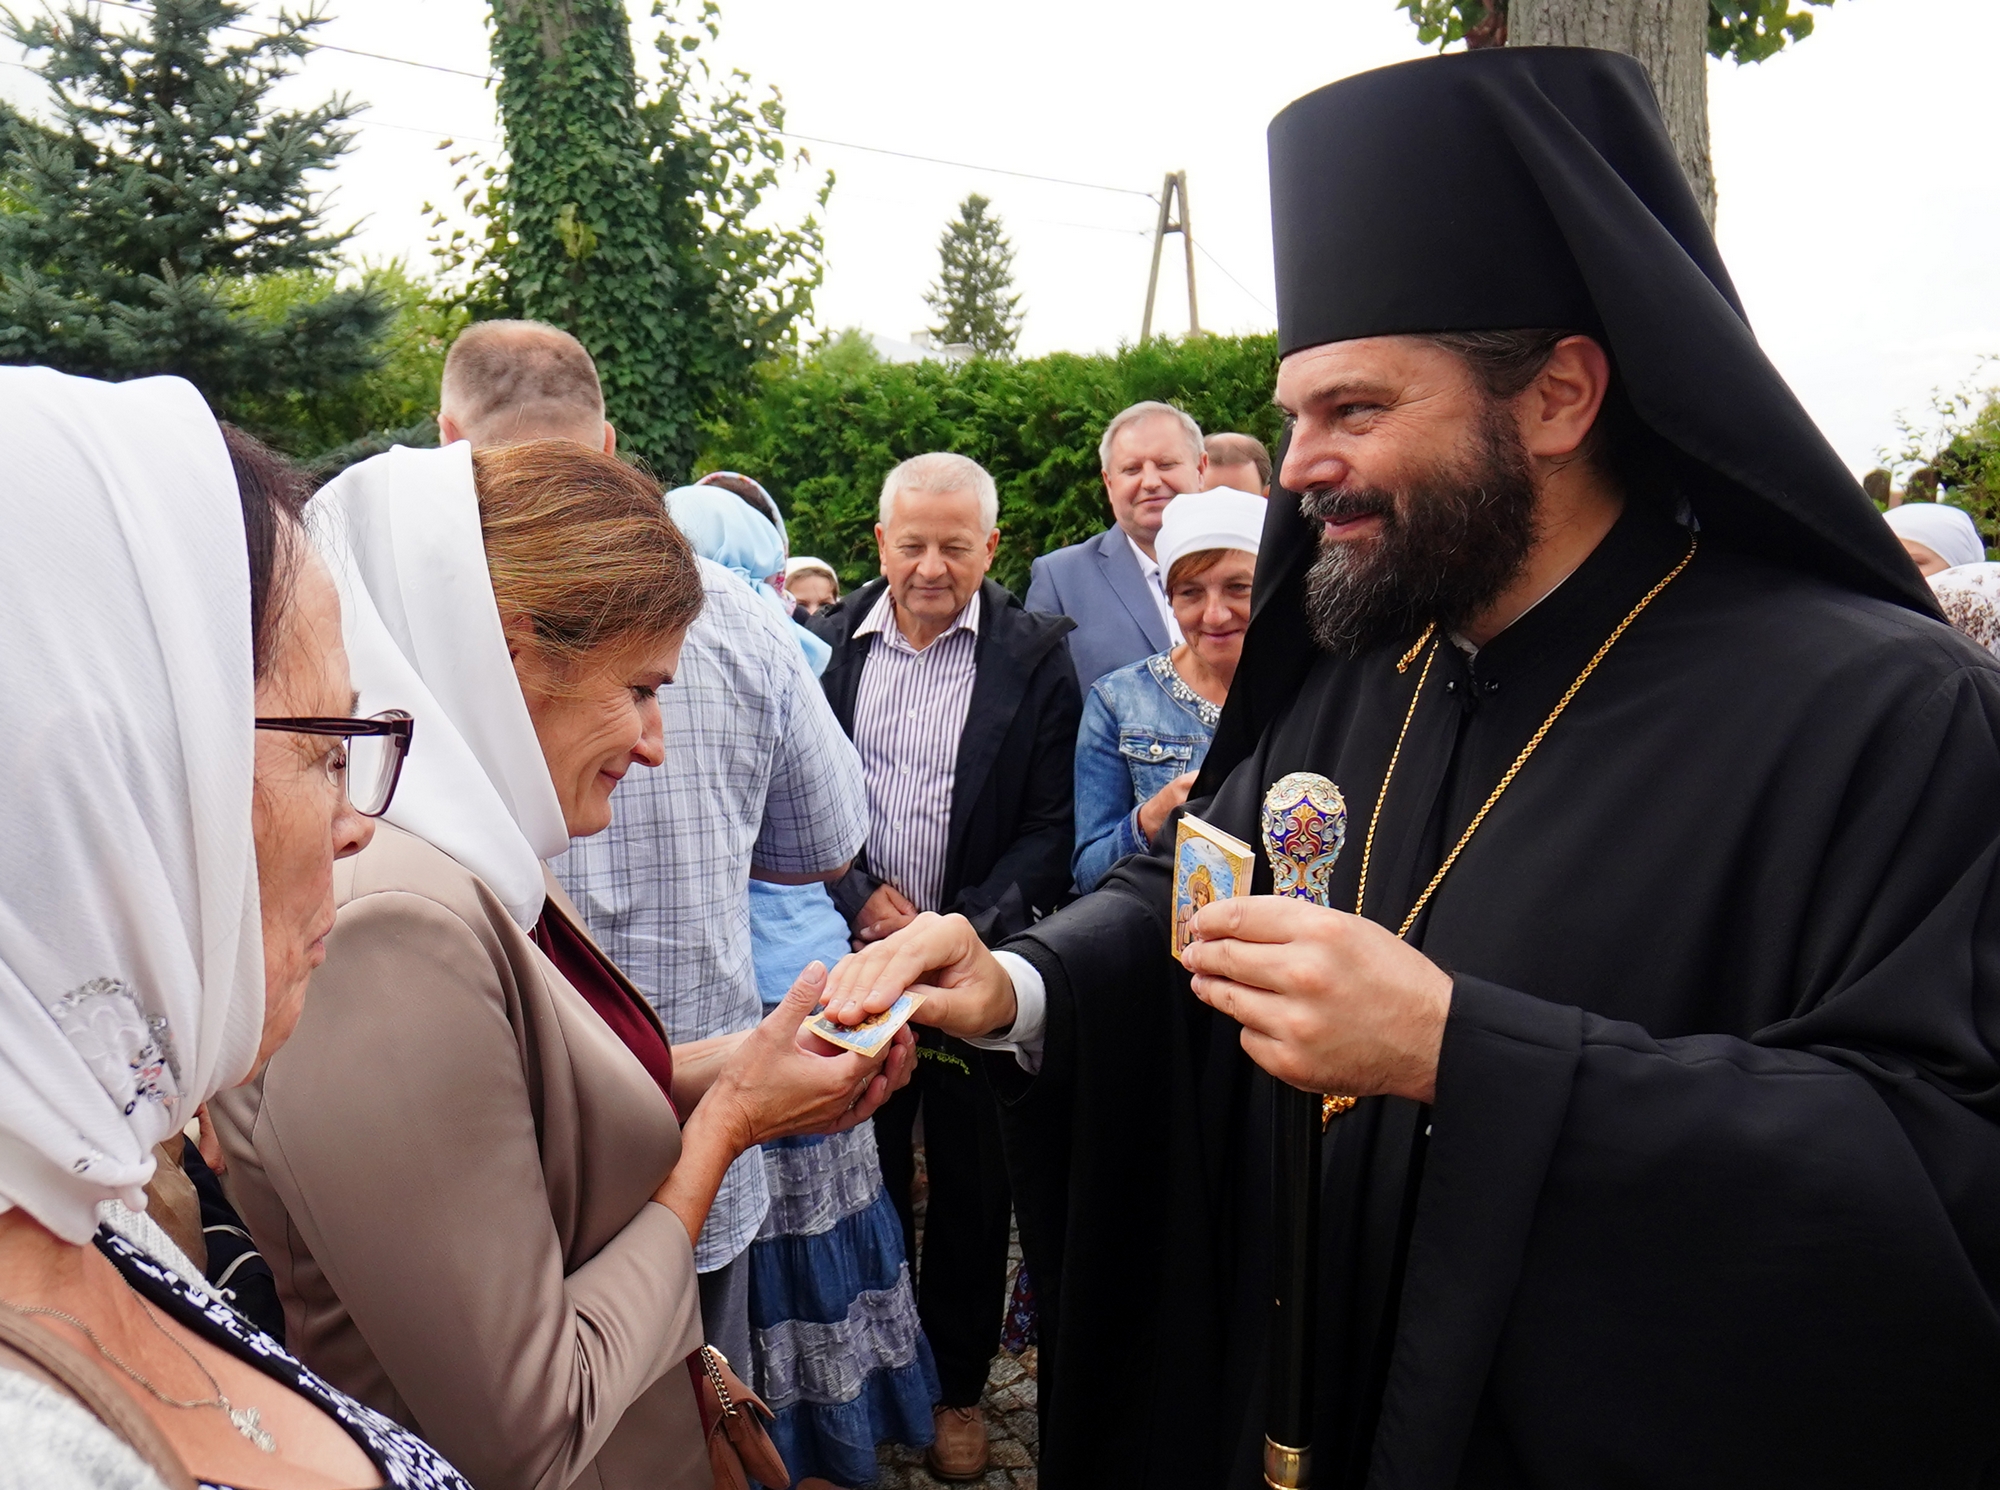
{"points": [[131, 964], [1969, 595]]}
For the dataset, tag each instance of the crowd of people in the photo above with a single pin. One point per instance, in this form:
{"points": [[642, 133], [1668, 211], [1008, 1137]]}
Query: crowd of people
{"points": [[416, 892], [667, 776]]}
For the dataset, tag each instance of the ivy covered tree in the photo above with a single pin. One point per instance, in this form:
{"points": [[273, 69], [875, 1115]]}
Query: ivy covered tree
{"points": [[975, 272], [137, 223], [1669, 38], [623, 214]]}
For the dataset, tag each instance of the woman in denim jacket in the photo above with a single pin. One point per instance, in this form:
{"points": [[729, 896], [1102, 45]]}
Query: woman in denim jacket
{"points": [[1146, 726]]}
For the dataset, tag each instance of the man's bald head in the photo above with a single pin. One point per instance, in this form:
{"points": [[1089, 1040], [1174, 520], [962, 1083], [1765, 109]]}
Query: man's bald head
{"points": [[510, 381]]}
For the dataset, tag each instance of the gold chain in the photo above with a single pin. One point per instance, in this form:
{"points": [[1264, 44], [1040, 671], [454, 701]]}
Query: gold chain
{"points": [[1368, 847]]}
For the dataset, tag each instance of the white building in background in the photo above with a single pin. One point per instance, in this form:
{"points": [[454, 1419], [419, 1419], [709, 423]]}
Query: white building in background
{"points": [[919, 348]]}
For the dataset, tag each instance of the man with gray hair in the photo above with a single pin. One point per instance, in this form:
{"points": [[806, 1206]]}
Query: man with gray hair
{"points": [[964, 708], [1111, 585]]}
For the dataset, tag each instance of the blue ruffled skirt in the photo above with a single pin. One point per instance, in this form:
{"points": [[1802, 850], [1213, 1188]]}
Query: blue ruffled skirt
{"points": [[836, 1349]]}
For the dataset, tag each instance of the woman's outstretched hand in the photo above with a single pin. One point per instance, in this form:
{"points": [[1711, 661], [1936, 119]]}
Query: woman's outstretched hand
{"points": [[784, 1080], [967, 991]]}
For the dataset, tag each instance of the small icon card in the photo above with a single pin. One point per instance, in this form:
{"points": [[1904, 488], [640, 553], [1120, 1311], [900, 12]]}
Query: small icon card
{"points": [[1209, 865], [871, 1037]]}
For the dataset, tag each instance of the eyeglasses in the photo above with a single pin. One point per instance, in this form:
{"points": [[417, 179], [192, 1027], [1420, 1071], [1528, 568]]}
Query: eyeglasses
{"points": [[370, 757]]}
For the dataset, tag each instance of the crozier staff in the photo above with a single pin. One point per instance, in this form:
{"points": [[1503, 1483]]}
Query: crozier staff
{"points": [[1671, 992]]}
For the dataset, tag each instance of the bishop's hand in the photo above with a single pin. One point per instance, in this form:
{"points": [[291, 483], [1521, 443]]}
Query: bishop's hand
{"points": [[1328, 1002], [967, 991]]}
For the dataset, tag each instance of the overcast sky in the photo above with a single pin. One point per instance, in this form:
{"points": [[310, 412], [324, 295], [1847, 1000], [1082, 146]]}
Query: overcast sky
{"points": [[1859, 211]]}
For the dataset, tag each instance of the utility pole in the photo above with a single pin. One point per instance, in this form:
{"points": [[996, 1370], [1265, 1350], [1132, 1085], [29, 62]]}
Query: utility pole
{"points": [[1174, 190]]}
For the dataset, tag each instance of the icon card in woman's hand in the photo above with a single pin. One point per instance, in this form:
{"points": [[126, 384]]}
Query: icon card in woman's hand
{"points": [[873, 1034]]}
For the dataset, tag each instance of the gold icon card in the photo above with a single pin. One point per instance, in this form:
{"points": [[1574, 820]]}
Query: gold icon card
{"points": [[1209, 865]]}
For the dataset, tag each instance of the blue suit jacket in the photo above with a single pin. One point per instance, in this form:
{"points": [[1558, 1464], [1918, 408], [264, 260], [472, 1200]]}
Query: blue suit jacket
{"points": [[1097, 584]]}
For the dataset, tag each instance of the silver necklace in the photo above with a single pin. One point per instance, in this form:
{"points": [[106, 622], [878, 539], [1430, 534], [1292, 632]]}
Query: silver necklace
{"points": [[245, 1420]]}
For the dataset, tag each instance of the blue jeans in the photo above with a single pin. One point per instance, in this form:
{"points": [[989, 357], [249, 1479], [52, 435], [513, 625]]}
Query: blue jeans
{"points": [[1141, 728]]}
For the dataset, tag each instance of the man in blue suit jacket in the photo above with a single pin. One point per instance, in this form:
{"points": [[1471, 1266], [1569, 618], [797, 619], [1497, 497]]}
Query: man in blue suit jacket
{"points": [[1110, 585]]}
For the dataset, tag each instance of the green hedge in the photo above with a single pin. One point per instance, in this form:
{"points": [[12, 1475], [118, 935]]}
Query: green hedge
{"points": [[823, 433]]}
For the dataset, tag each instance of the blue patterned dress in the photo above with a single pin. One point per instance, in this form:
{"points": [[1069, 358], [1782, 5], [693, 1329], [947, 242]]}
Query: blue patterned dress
{"points": [[836, 1349]]}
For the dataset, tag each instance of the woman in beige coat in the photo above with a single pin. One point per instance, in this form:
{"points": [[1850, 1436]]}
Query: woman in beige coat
{"points": [[467, 1170]]}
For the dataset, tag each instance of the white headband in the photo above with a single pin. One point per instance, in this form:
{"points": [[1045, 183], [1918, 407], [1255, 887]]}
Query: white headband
{"points": [[1945, 531], [1195, 521]]}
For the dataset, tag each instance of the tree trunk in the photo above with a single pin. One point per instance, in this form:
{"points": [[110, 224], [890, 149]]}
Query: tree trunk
{"points": [[1669, 38]]}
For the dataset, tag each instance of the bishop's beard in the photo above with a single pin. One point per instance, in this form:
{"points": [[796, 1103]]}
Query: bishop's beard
{"points": [[1452, 537]]}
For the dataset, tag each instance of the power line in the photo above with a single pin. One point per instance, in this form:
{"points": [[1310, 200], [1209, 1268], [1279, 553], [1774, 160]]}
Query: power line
{"points": [[327, 46], [358, 121], [969, 166], [487, 77], [324, 46], [909, 155], [1256, 299]]}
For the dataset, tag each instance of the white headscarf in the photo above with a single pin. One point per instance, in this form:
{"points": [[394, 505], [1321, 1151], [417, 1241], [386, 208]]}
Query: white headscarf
{"points": [[1946, 531], [131, 955], [401, 534], [1219, 518], [796, 567]]}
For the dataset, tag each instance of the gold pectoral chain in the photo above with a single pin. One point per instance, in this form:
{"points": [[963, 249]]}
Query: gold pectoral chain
{"points": [[1368, 847], [1332, 1105]]}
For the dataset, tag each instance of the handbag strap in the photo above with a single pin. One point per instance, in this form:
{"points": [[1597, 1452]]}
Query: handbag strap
{"points": [[37, 1353]]}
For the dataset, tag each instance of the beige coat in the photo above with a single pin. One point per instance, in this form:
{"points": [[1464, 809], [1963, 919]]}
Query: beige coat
{"points": [[449, 1168]]}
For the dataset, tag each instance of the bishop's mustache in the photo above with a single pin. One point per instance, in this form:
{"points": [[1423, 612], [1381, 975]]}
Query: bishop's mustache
{"points": [[1324, 506]]}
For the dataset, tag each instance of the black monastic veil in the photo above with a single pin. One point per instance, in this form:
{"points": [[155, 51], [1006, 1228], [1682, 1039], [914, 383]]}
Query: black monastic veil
{"points": [[1710, 1192]]}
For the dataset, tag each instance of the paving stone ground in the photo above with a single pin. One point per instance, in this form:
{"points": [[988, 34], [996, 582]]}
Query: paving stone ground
{"points": [[1009, 1404]]}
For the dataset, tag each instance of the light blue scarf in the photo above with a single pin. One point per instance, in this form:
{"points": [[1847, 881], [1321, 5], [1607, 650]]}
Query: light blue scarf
{"points": [[724, 529]]}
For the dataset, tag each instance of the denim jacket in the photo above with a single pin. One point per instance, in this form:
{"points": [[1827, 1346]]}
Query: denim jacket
{"points": [[1142, 727]]}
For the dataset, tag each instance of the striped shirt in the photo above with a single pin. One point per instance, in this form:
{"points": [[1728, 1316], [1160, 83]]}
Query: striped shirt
{"points": [[909, 711]]}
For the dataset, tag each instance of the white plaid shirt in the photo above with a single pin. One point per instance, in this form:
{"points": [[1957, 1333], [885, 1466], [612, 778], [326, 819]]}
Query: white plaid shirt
{"points": [[757, 770]]}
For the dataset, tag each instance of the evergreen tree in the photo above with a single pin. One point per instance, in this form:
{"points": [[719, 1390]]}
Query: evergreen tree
{"points": [[975, 272], [133, 228], [622, 215]]}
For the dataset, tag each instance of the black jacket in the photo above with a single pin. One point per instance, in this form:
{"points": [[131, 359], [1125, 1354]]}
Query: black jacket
{"points": [[1012, 809]]}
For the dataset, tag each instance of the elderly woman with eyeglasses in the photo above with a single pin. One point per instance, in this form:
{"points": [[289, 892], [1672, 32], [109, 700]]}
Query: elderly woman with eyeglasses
{"points": [[177, 733], [478, 1170]]}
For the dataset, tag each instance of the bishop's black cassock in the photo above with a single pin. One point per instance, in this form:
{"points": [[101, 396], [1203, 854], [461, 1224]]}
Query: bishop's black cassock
{"points": [[1710, 1191]]}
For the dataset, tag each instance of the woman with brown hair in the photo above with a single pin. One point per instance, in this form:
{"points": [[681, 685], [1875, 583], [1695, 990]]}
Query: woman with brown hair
{"points": [[478, 1171]]}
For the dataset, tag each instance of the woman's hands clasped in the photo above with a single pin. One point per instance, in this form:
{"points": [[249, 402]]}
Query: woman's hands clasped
{"points": [[784, 1080]]}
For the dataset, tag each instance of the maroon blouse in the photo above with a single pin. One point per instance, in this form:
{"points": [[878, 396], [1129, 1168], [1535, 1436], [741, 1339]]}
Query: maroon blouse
{"points": [[616, 1004]]}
